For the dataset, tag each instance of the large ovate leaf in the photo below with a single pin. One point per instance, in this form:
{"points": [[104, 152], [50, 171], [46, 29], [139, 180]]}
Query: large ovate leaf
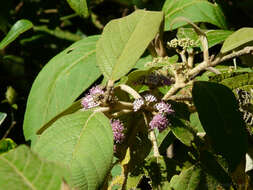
{"points": [[214, 37], [22, 169], [59, 83], [237, 39], [79, 6], [124, 40], [18, 28], [188, 179], [219, 115], [83, 141], [194, 10]]}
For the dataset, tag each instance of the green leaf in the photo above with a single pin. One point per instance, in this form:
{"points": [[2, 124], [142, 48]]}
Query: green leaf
{"points": [[84, 142], [188, 179], [6, 145], [235, 80], [219, 115], [194, 10], [124, 40], [2, 117], [181, 131], [237, 39], [22, 169], [18, 28], [213, 178], [59, 83], [214, 37], [71, 109], [195, 122], [79, 6]]}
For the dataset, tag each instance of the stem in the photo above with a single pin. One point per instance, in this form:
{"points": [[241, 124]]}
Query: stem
{"points": [[122, 112], [220, 58], [190, 59], [180, 98], [13, 123], [155, 145], [130, 91], [102, 109], [152, 137]]}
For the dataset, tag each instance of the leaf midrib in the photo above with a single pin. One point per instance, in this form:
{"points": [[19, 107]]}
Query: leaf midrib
{"points": [[126, 44], [27, 182], [51, 87]]}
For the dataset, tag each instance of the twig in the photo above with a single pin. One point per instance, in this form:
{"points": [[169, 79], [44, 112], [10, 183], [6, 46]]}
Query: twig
{"points": [[182, 55], [220, 58], [180, 98], [152, 138], [122, 112], [176, 87], [129, 90], [190, 59]]}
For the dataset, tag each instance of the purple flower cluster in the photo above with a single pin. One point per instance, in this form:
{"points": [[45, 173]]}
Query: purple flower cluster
{"points": [[150, 98], [137, 104], [89, 100], [160, 120], [118, 130], [163, 107]]}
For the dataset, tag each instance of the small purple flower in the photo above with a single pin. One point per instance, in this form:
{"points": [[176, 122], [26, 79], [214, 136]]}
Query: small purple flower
{"points": [[150, 98], [163, 107], [117, 129], [96, 90], [89, 101], [159, 121], [137, 104]]}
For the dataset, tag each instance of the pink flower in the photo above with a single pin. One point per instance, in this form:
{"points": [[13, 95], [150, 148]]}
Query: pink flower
{"points": [[159, 121], [117, 129], [163, 107]]}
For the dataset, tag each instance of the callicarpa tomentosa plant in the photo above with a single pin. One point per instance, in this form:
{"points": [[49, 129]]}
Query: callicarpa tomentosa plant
{"points": [[168, 114]]}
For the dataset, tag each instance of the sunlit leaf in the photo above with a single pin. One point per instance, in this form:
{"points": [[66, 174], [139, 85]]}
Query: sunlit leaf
{"points": [[59, 83], [22, 169], [18, 28], [124, 40], [79, 6], [194, 10], [237, 39], [84, 142]]}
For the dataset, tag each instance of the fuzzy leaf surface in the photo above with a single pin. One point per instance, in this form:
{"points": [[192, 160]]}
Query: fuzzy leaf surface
{"points": [[237, 39], [194, 10], [84, 142], [124, 40], [23, 169], [59, 83]]}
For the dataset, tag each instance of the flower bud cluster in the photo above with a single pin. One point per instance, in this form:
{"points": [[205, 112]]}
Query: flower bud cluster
{"points": [[92, 98], [118, 130], [183, 43], [160, 120]]}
